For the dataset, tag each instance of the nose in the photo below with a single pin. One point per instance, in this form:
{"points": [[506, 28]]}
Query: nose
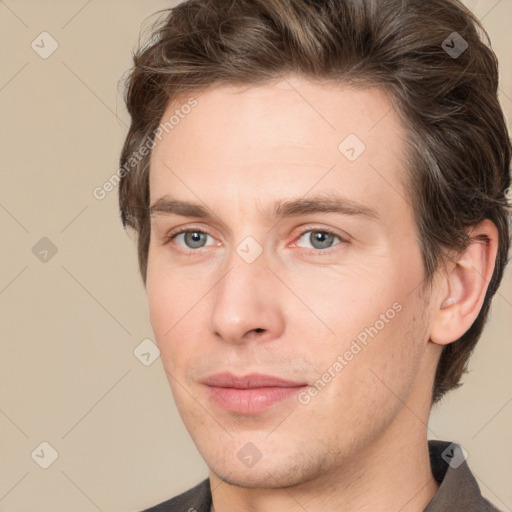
{"points": [[246, 304]]}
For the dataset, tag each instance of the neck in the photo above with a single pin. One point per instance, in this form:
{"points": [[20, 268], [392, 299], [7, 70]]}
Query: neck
{"points": [[391, 473]]}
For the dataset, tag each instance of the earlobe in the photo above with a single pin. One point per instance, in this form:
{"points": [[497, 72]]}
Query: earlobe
{"points": [[463, 285]]}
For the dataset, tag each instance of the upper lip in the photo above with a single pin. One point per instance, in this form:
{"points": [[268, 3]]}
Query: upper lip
{"points": [[252, 380]]}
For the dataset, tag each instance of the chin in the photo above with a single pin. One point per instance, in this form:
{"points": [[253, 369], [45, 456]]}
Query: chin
{"points": [[268, 478], [270, 473]]}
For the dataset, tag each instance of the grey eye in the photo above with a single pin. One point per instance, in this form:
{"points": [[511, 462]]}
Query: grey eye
{"points": [[319, 239], [194, 239]]}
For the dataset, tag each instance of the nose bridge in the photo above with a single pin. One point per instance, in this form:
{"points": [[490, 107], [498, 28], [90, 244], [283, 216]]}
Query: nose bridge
{"points": [[243, 301]]}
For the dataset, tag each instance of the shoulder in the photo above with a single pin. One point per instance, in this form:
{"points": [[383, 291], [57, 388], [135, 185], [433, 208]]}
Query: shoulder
{"points": [[196, 499]]}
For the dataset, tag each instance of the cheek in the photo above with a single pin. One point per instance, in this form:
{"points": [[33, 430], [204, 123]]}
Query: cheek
{"points": [[168, 301], [169, 291], [342, 303], [161, 303], [368, 392], [380, 332]]}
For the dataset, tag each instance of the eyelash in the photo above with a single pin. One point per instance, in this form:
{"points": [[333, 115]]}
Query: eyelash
{"points": [[312, 252]]}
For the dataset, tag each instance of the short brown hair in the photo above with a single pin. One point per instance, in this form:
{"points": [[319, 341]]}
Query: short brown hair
{"points": [[458, 145]]}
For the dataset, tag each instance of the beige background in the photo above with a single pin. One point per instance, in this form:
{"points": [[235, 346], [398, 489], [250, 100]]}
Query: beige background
{"points": [[70, 325]]}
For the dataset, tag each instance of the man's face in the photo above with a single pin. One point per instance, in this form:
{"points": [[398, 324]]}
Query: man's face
{"points": [[332, 298]]}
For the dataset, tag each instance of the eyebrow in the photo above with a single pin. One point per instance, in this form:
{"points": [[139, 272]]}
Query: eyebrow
{"points": [[281, 209]]}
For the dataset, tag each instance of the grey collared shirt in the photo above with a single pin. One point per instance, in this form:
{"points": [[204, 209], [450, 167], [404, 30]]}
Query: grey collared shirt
{"points": [[458, 490]]}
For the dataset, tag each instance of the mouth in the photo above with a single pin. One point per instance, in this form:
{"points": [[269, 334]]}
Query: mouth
{"points": [[250, 394]]}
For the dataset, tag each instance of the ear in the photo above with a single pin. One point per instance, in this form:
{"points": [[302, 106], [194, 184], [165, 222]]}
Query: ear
{"points": [[461, 288]]}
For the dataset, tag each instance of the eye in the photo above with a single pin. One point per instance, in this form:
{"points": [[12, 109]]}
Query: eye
{"points": [[192, 238], [318, 239]]}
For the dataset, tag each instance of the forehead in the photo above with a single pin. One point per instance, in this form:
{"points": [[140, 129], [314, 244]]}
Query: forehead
{"points": [[273, 141]]}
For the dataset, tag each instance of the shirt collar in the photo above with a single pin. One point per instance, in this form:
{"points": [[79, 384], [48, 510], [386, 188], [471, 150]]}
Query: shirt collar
{"points": [[458, 489]]}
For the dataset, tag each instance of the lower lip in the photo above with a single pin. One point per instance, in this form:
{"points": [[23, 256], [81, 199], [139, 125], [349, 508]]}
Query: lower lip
{"points": [[251, 401]]}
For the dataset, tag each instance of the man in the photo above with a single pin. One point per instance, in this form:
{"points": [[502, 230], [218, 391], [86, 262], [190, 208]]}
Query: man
{"points": [[319, 193]]}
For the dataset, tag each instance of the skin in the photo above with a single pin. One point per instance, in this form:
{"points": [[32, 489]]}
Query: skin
{"points": [[360, 443]]}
